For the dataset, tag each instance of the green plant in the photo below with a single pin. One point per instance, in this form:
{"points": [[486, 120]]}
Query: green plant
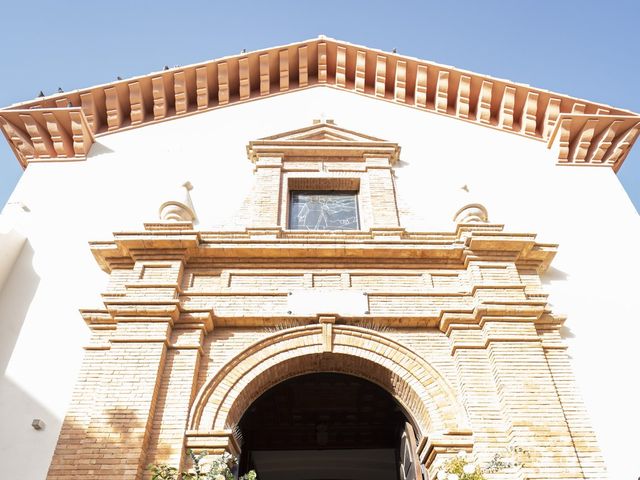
{"points": [[218, 468], [461, 467]]}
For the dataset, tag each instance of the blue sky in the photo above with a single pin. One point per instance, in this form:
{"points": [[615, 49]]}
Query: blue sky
{"points": [[586, 49]]}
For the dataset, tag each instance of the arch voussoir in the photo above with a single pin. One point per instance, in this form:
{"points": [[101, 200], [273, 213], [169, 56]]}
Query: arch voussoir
{"points": [[426, 397]]}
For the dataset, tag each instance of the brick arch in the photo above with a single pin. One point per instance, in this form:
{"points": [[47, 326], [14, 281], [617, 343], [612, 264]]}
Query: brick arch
{"points": [[425, 396]]}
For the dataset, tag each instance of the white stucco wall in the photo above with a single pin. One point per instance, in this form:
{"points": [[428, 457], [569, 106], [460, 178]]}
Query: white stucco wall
{"points": [[121, 184], [11, 243]]}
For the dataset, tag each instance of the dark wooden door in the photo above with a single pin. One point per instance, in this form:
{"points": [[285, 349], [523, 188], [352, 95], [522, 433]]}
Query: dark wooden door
{"points": [[409, 461]]}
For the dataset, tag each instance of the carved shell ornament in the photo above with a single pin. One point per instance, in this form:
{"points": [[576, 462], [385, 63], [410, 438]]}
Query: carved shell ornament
{"points": [[178, 208], [472, 213]]}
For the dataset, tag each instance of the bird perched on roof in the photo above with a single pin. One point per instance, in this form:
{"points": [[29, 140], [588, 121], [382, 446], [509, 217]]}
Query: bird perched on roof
{"points": [[166, 67], [41, 94], [118, 78], [60, 90], [395, 50], [244, 50]]}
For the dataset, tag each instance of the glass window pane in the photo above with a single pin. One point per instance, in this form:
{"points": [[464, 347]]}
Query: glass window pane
{"points": [[323, 211]]}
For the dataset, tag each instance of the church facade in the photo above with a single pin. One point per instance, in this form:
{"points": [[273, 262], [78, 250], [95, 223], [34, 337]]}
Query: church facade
{"points": [[329, 261]]}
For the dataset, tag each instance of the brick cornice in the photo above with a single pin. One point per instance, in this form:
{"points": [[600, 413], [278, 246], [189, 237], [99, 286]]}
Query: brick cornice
{"points": [[467, 244], [62, 126]]}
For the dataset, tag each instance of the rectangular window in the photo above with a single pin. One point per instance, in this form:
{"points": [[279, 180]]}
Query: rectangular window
{"points": [[323, 210]]}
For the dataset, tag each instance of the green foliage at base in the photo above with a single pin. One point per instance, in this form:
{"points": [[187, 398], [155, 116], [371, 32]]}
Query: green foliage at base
{"points": [[461, 467], [203, 469]]}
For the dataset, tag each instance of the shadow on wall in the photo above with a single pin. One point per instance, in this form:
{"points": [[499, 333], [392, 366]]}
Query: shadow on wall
{"points": [[551, 276], [108, 445], [15, 299], [565, 332], [98, 149], [554, 275], [25, 451], [18, 408]]}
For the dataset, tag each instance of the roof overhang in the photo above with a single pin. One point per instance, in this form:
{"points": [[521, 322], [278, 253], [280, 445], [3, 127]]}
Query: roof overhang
{"points": [[584, 139], [63, 126]]}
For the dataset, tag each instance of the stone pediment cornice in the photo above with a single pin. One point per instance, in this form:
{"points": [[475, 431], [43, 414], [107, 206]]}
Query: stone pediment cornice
{"points": [[63, 126], [179, 241], [322, 139]]}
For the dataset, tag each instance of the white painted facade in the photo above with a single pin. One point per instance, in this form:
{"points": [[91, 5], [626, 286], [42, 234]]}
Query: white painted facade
{"points": [[128, 175]]}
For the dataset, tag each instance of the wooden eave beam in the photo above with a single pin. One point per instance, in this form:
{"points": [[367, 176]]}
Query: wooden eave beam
{"points": [[202, 88], [47, 134], [594, 140], [515, 108]]}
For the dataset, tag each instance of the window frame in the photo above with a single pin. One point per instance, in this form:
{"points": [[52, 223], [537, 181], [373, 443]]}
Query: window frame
{"points": [[308, 181], [327, 192]]}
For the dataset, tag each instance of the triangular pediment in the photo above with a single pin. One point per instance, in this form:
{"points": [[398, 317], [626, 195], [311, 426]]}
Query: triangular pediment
{"points": [[322, 131], [322, 138]]}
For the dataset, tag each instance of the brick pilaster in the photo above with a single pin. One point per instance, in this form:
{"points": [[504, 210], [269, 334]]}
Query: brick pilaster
{"points": [[382, 193], [177, 389], [530, 401], [481, 400], [265, 202]]}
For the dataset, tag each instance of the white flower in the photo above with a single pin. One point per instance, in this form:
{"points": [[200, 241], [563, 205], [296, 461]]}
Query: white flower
{"points": [[453, 476], [469, 468], [219, 477], [462, 454], [442, 475], [206, 465]]}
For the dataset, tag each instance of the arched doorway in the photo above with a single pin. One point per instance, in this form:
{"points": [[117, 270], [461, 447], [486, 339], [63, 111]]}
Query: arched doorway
{"points": [[439, 420], [326, 426]]}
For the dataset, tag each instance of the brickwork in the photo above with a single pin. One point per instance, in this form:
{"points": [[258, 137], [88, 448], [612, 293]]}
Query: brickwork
{"points": [[470, 351], [175, 395], [582, 435], [196, 325], [109, 433]]}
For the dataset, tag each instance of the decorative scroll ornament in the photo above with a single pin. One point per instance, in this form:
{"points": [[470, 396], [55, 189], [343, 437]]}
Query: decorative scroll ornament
{"points": [[472, 213], [179, 208]]}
